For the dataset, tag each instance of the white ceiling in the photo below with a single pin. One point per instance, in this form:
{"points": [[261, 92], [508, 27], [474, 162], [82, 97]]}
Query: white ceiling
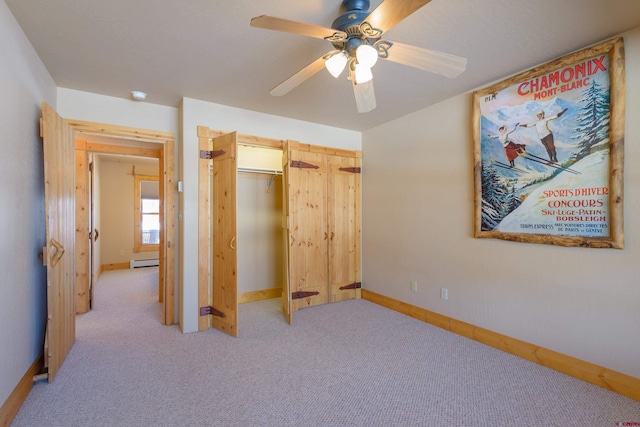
{"points": [[205, 49]]}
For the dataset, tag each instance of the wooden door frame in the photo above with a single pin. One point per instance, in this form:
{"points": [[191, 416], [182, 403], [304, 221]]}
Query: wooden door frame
{"points": [[147, 143], [205, 137], [83, 232]]}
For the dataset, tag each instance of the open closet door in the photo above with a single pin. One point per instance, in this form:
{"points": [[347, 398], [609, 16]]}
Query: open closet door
{"points": [[224, 298], [287, 304], [59, 254], [307, 248]]}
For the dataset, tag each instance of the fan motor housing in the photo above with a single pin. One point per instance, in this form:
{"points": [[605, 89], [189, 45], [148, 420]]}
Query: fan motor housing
{"points": [[348, 5], [355, 11]]}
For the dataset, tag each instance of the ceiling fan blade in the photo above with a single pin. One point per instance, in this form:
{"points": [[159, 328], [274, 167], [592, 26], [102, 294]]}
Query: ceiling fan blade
{"points": [[390, 12], [299, 77], [365, 96], [287, 26], [428, 60]]}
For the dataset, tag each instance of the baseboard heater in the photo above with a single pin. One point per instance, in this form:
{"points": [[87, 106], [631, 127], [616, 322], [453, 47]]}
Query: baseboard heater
{"points": [[137, 263]]}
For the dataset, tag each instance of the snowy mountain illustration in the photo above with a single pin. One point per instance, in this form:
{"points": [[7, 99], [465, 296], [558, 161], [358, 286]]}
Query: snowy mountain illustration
{"points": [[543, 211]]}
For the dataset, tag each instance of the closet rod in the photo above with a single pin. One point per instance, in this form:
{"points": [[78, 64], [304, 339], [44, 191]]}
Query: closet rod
{"points": [[259, 170]]}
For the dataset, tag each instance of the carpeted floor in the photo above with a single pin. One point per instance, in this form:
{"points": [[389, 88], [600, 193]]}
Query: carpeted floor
{"points": [[351, 363]]}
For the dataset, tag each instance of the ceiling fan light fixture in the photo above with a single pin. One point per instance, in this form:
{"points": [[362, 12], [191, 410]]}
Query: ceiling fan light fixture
{"points": [[362, 74], [356, 36], [366, 55], [336, 64]]}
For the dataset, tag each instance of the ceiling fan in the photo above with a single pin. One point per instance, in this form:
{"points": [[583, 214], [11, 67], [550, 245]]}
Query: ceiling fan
{"points": [[357, 41]]}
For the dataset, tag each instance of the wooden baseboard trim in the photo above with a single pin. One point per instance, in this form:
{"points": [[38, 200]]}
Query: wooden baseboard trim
{"points": [[623, 384], [116, 266], [17, 397], [259, 295]]}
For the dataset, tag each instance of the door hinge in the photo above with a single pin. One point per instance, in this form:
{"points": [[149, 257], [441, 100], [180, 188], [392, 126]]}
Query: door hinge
{"points": [[209, 310], [354, 285], [303, 294], [352, 170], [303, 165], [210, 154]]}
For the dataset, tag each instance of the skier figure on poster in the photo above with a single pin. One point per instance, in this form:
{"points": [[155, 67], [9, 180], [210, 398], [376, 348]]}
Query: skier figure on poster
{"points": [[545, 134], [511, 149]]}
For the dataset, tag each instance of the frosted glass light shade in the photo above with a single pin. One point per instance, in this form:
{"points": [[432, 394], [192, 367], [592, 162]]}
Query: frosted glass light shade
{"points": [[363, 74], [366, 55], [336, 64]]}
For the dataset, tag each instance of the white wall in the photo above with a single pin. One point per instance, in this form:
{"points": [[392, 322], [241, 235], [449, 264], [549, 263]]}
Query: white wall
{"points": [[199, 113], [418, 225], [260, 233], [24, 84], [221, 117], [91, 107]]}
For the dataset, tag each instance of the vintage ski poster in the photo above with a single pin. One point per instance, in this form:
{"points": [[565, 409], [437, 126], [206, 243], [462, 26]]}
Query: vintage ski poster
{"points": [[549, 152]]}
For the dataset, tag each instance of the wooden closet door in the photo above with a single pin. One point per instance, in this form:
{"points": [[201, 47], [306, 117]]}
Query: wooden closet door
{"points": [[344, 228], [308, 234], [224, 298], [287, 304]]}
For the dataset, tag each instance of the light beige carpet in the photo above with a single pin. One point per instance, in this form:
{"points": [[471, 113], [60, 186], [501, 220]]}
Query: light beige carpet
{"points": [[351, 363]]}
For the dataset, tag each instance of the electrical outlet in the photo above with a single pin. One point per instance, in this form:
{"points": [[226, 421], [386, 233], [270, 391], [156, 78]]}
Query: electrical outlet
{"points": [[414, 286], [121, 252], [444, 294]]}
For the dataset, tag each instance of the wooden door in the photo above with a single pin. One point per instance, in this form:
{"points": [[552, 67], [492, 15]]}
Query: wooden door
{"points": [[93, 230], [287, 304], [59, 254], [224, 298], [83, 230], [344, 228], [308, 235]]}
